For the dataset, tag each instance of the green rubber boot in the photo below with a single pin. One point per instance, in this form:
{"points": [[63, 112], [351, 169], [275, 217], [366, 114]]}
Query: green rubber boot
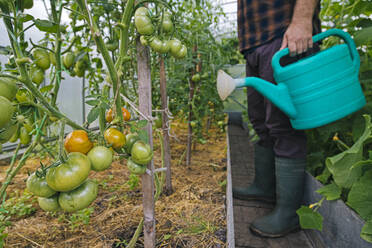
{"points": [[290, 175], [263, 186]]}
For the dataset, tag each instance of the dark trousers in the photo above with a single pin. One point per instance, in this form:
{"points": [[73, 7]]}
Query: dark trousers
{"points": [[270, 123]]}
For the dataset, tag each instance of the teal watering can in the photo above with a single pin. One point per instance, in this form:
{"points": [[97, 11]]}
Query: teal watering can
{"points": [[313, 91]]}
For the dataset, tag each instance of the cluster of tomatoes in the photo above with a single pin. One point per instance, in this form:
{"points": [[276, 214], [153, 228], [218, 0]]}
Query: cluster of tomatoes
{"points": [[78, 67], [146, 28], [12, 129], [65, 184]]}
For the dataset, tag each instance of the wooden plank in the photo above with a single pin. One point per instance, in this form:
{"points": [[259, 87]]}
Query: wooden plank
{"points": [[229, 201]]}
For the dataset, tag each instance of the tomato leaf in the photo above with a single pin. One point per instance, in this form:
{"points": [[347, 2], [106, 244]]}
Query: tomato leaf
{"points": [[92, 102], [363, 36], [142, 134], [46, 88], [93, 115], [141, 123], [46, 26], [25, 18], [309, 219]]}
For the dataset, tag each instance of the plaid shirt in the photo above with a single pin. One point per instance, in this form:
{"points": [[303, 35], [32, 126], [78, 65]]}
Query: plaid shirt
{"points": [[260, 21]]}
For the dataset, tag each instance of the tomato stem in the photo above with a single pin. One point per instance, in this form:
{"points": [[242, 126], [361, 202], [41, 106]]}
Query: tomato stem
{"points": [[61, 155], [105, 54], [57, 53]]}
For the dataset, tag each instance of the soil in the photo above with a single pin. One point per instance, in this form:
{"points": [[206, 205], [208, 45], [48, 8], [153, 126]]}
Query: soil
{"points": [[194, 215]]}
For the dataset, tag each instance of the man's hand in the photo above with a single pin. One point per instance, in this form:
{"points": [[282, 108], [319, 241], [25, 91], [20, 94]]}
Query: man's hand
{"points": [[298, 36]]}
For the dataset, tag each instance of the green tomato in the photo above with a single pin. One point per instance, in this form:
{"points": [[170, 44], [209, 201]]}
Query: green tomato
{"points": [[131, 138], [220, 123], [6, 111], [157, 45], [195, 78], [71, 174], [27, 124], [79, 198], [167, 24], [141, 153], [8, 88], [181, 53], [193, 124], [79, 71], [15, 135], [37, 76], [175, 46], [143, 41], [112, 46], [7, 132], [165, 47], [52, 59], [68, 59], [142, 11], [100, 158], [205, 75], [144, 25], [49, 204], [39, 186], [41, 57], [136, 168], [24, 136]]}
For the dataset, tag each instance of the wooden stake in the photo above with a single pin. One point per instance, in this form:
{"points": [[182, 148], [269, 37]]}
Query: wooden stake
{"points": [[145, 106], [166, 145]]}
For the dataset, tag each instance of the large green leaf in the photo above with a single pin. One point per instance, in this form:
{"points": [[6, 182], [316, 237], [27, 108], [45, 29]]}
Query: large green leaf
{"points": [[46, 26], [363, 36], [366, 232], [341, 165], [310, 219], [360, 196], [330, 191]]}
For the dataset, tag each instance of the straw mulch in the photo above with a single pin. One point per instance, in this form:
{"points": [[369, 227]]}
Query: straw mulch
{"points": [[193, 216]]}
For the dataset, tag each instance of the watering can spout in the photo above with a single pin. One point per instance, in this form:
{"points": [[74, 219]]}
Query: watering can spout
{"points": [[277, 94]]}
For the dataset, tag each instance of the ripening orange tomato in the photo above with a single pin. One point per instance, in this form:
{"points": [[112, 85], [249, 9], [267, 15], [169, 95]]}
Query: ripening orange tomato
{"points": [[78, 141], [110, 117]]}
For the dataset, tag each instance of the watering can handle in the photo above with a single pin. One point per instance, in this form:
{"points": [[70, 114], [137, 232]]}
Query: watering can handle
{"points": [[337, 32]]}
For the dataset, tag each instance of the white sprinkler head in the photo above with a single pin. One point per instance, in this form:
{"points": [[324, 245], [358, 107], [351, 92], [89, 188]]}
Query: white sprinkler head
{"points": [[225, 84]]}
